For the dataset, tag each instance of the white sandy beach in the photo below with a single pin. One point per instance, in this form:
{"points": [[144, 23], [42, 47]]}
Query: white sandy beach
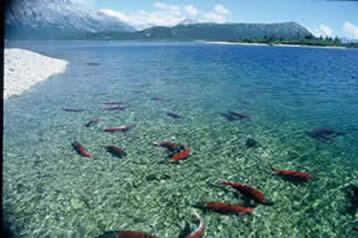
{"points": [[23, 69], [311, 46], [278, 45], [235, 43]]}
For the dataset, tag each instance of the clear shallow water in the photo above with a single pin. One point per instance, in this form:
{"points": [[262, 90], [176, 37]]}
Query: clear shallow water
{"points": [[50, 191]]}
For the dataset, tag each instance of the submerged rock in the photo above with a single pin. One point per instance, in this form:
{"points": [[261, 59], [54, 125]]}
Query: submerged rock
{"points": [[250, 142]]}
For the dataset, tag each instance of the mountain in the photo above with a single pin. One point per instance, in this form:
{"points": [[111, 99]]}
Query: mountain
{"points": [[67, 19], [216, 32], [226, 32], [188, 21], [56, 19]]}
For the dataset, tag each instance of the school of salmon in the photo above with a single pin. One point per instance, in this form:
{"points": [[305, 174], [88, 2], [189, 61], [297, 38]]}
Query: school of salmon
{"points": [[179, 153]]}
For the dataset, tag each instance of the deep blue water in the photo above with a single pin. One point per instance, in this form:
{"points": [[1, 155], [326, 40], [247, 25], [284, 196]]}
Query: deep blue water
{"points": [[285, 91]]}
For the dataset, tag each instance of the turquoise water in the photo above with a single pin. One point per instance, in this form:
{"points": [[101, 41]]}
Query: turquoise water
{"points": [[51, 191]]}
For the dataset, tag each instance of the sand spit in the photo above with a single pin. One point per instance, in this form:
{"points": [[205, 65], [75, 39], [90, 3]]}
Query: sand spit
{"points": [[277, 45], [23, 69]]}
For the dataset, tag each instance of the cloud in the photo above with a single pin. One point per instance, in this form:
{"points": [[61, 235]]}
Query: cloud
{"points": [[350, 30], [116, 14], [218, 15], [191, 10], [213, 17], [166, 7], [164, 14], [323, 30], [326, 31], [220, 9]]}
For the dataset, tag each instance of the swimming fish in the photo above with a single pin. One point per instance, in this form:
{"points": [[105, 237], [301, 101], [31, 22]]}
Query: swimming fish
{"points": [[93, 63], [157, 99], [170, 146], [72, 110], [292, 174], [114, 103], [115, 108], [250, 143], [223, 207], [324, 134], [229, 117], [126, 234], [173, 115], [123, 128], [181, 155], [353, 197], [239, 115], [199, 231], [92, 122], [116, 151], [249, 192], [80, 149]]}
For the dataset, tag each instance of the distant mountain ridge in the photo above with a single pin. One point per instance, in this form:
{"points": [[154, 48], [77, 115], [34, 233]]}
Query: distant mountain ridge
{"points": [[56, 19], [215, 32], [67, 19], [188, 21]]}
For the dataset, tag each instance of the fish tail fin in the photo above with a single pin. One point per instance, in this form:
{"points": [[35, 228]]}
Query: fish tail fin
{"points": [[223, 183], [273, 168], [200, 205], [197, 215], [268, 203], [75, 143]]}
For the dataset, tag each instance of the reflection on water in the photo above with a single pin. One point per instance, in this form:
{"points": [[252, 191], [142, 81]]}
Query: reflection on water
{"points": [[241, 108]]}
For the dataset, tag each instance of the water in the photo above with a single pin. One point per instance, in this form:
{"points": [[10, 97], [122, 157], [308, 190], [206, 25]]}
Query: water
{"points": [[50, 191]]}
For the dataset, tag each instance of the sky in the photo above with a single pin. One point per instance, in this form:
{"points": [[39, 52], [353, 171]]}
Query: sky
{"points": [[321, 17]]}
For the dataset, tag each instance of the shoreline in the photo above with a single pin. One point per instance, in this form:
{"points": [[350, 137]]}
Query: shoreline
{"points": [[276, 45], [24, 68]]}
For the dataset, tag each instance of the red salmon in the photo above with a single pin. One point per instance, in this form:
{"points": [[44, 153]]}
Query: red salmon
{"points": [[249, 192], [228, 208], [198, 232], [134, 234], [116, 151], [80, 149], [115, 108], [304, 176], [181, 155], [123, 128]]}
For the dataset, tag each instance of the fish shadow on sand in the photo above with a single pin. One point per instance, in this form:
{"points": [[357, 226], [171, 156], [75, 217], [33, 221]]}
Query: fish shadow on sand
{"points": [[93, 64], [186, 231], [108, 234], [325, 134], [115, 154], [246, 201], [174, 115], [294, 180], [352, 196], [234, 116], [229, 117]]}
